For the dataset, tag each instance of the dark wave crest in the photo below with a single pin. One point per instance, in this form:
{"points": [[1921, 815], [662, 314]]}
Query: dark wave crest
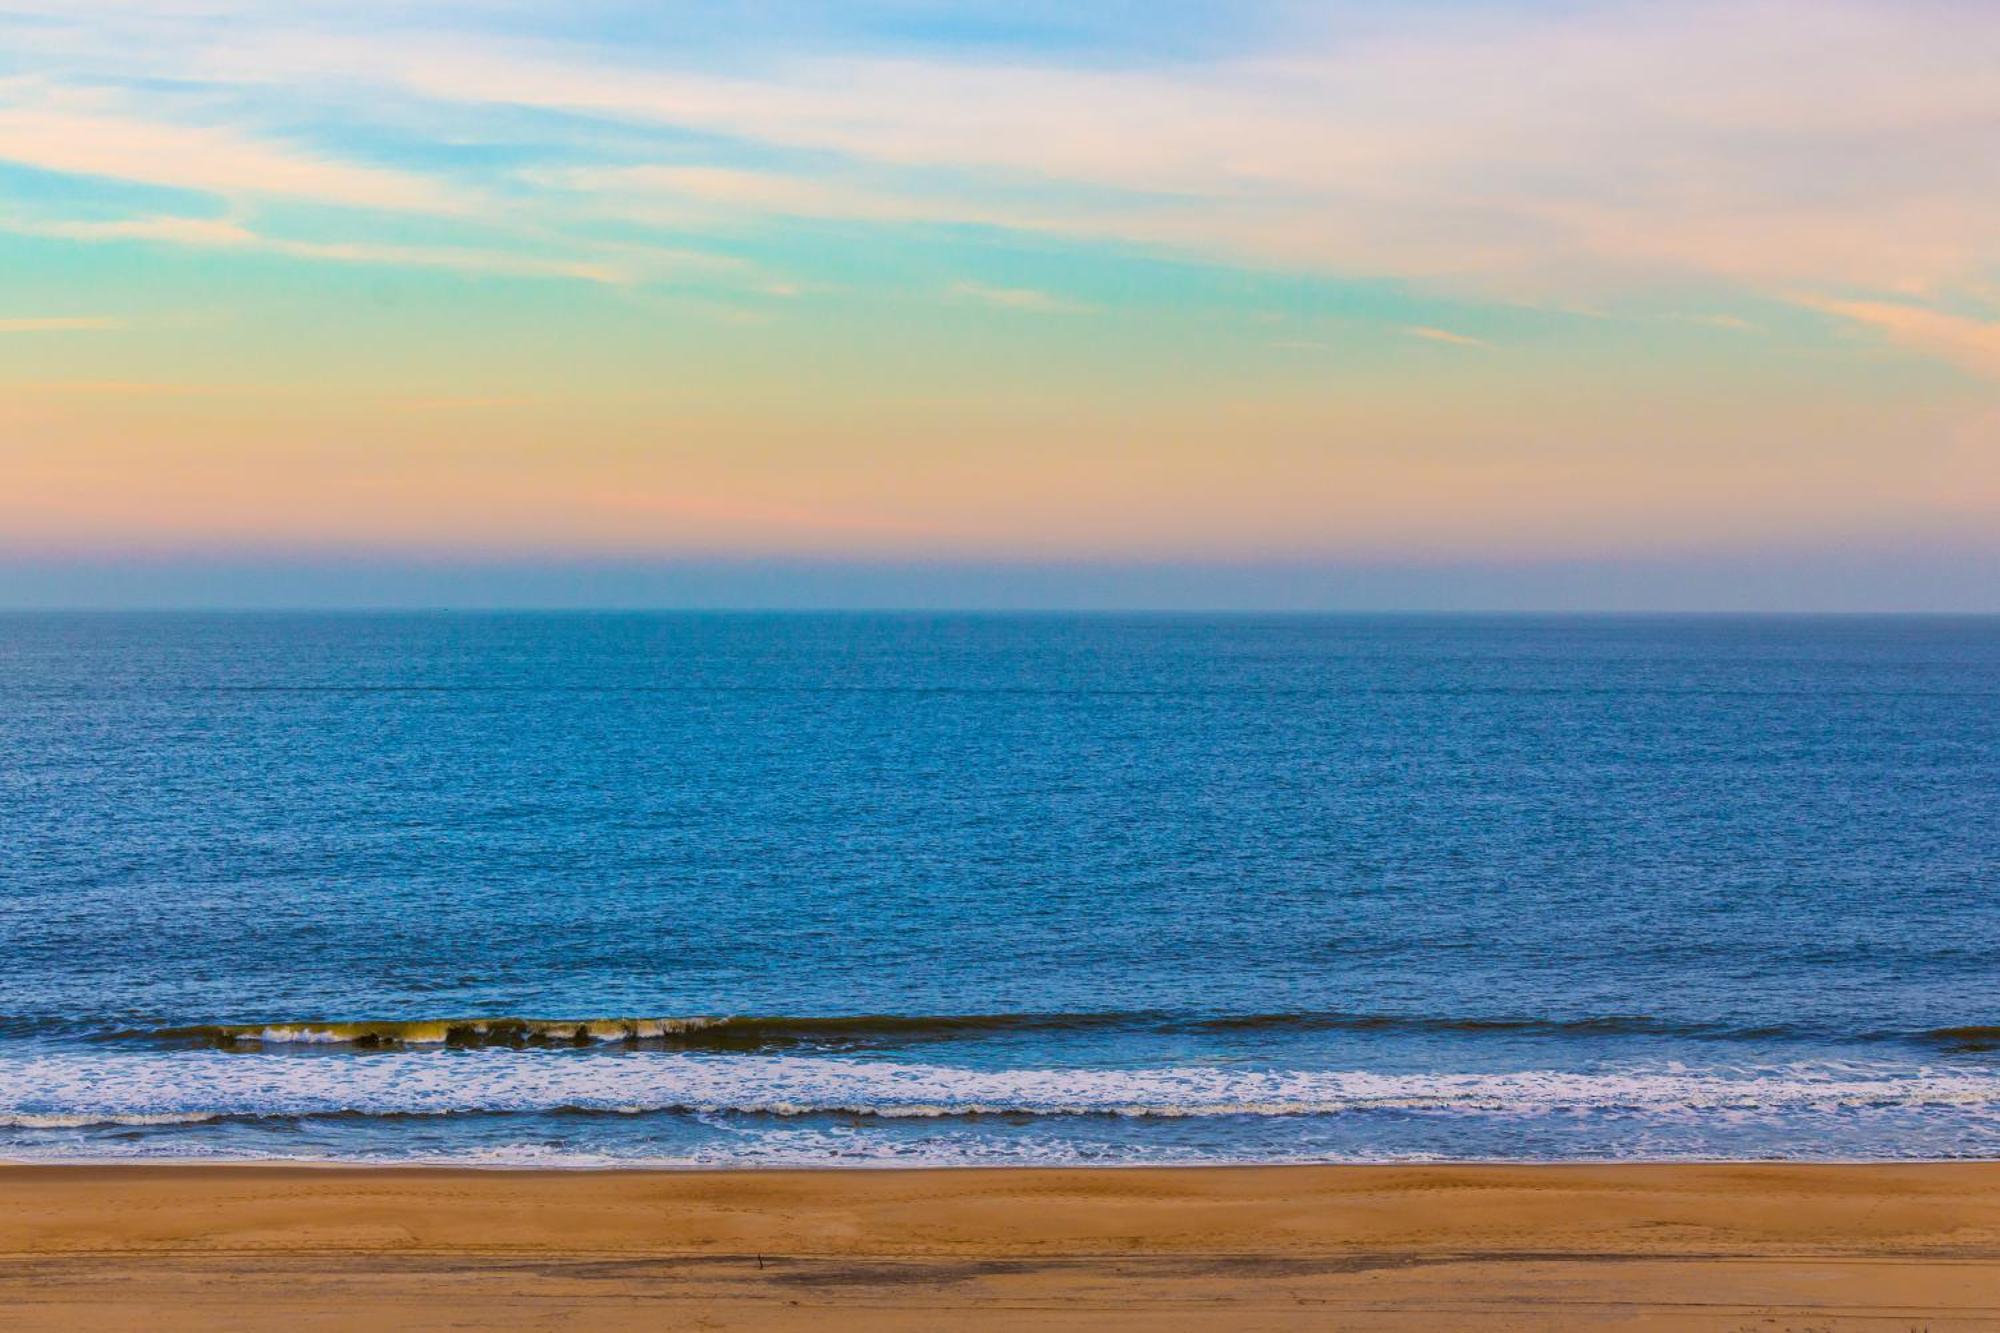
{"points": [[718, 1033], [749, 1033], [1978, 1037]]}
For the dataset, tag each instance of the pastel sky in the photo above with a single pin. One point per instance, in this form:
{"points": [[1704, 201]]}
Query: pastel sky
{"points": [[1457, 285]]}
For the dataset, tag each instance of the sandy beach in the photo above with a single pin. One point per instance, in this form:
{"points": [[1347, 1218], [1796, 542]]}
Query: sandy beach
{"points": [[1725, 1247]]}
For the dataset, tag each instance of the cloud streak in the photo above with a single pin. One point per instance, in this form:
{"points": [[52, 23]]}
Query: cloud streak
{"points": [[1617, 143], [1543, 151], [1017, 298], [1973, 344], [60, 324], [1429, 334], [213, 159], [614, 266]]}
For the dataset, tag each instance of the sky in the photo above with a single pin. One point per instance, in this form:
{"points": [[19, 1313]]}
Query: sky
{"points": [[1440, 303]]}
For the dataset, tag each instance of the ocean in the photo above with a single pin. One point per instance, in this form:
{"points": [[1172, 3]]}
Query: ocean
{"points": [[604, 889]]}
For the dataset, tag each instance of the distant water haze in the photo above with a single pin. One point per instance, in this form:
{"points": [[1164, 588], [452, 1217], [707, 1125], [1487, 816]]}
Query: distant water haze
{"points": [[1931, 577]]}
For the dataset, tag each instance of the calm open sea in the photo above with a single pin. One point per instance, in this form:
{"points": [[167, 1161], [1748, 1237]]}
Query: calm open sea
{"points": [[580, 889]]}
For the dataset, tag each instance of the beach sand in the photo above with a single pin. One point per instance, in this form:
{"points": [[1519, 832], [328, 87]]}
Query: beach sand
{"points": [[1734, 1247]]}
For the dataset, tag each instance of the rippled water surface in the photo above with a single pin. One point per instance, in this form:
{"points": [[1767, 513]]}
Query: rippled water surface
{"points": [[745, 889]]}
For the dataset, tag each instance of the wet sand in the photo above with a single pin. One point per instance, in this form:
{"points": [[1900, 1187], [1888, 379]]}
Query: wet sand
{"points": [[1734, 1248]]}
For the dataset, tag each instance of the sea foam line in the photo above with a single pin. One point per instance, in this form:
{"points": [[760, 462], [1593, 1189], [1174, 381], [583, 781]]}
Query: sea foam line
{"points": [[90, 1087]]}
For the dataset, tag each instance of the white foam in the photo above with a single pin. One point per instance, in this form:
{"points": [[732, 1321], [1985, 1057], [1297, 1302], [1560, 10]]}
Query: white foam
{"points": [[67, 1088], [88, 1119], [441, 1031]]}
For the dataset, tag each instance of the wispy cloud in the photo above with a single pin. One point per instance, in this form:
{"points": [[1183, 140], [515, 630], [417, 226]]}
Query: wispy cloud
{"points": [[1444, 336], [1017, 298], [731, 190], [61, 324], [214, 159], [1559, 155], [1420, 146], [219, 233], [1973, 344], [174, 230]]}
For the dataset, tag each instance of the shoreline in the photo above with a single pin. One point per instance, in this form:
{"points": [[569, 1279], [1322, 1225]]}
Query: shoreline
{"points": [[669, 1167], [1721, 1246]]}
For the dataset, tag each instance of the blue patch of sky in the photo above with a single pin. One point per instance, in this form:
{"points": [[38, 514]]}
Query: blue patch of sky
{"points": [[1107, 31], [35, 195]]}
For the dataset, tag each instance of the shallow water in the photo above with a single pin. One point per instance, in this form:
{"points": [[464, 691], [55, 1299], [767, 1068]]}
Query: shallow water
{"points": [[998, 889]]}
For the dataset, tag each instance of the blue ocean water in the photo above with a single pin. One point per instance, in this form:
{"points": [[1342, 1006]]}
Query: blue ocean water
{"points": [[962, 889]]}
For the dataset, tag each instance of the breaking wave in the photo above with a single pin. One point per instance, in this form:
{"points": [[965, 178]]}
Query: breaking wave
{"points": [[66, 1089]]}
